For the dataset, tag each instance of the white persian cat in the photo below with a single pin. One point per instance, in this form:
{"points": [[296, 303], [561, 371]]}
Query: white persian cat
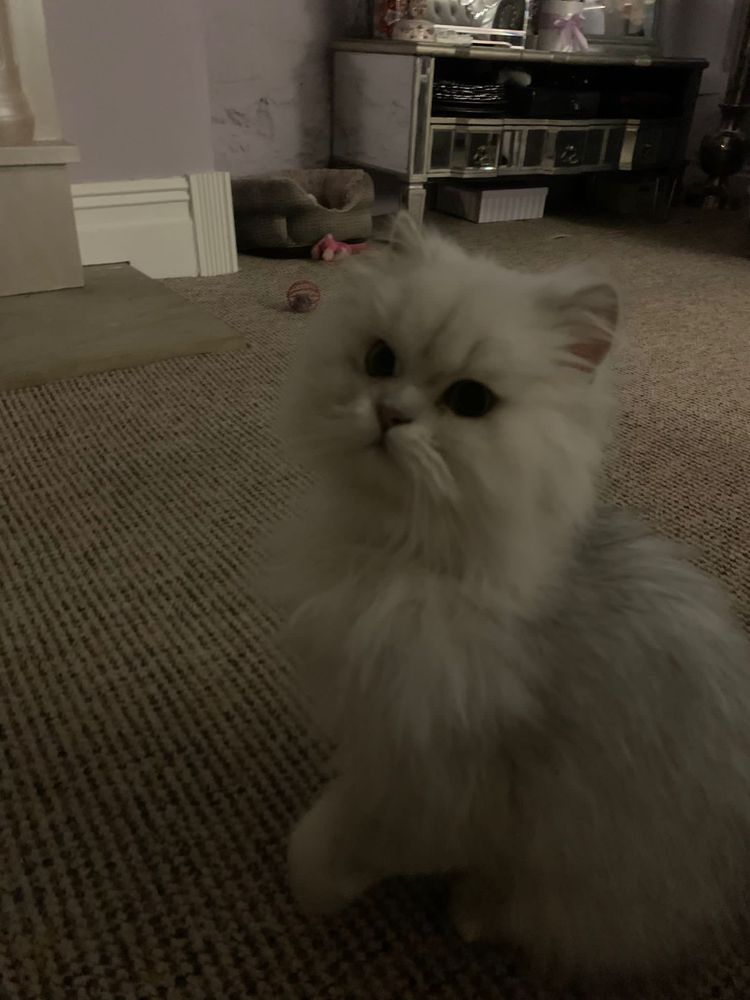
{"points": [[525, 690]]}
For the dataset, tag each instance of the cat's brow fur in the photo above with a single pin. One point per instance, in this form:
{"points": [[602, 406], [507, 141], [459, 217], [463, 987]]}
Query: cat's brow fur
{"points": [[526, 690]]}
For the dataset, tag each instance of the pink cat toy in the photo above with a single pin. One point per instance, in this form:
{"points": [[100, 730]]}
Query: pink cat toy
{"points": [[329, 249]]}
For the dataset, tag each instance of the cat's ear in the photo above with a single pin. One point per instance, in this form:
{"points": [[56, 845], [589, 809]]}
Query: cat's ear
{"points": [[585, 307], [406, 235]]}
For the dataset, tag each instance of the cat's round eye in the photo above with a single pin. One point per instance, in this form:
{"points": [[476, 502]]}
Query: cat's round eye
{"points": [[380, 361], [468, 398]]}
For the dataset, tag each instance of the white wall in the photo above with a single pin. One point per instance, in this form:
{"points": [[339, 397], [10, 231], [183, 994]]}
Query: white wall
{"points": [[132, 86], [269, 71], [155, 88], [269, 67]]}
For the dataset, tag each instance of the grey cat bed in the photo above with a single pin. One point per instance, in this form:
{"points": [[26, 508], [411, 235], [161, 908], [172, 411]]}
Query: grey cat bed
{"points": [[295, 208]]}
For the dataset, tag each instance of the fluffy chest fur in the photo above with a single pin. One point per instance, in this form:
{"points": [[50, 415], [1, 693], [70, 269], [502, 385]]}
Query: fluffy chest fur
{"points": [[406, 658]]}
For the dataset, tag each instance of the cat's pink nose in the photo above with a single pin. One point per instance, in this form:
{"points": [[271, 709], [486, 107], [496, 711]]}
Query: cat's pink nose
{"points": [[389, 416]]}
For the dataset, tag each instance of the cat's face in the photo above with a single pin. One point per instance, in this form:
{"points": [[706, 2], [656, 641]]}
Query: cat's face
{"points": [[441, 381]]}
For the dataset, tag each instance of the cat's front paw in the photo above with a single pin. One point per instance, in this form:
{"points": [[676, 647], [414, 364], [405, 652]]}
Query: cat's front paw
{"points": [[322, 873]]}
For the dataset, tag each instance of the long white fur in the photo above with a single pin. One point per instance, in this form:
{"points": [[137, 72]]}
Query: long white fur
{"points": [[528, 692]]}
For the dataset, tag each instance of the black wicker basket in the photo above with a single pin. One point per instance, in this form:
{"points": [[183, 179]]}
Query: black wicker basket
{"points": [[461, 99]]}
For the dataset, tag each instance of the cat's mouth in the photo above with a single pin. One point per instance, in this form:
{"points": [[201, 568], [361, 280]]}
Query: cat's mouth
{"points": [[384, 444]]}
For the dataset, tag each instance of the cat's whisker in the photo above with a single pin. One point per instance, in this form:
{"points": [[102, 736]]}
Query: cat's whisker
{"points": [[435, 475]]}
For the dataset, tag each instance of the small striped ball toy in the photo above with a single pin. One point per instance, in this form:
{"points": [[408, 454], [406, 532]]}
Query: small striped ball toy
{"points": [[303, 296]]}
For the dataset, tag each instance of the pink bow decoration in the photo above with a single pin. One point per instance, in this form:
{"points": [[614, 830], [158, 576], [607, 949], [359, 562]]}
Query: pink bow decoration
{"points": [[572, 38]]}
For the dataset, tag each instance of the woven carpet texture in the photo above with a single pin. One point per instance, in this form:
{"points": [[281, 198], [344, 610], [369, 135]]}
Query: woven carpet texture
{"points": [[152, 754]]}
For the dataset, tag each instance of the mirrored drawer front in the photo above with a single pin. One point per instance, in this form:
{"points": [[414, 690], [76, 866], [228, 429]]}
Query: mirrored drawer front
{"points": [[462, 150], [468, 151], [580, 147], [613, 146], [655, 145], [456, 149], [570, 147], [649, 145], [534, 153]]}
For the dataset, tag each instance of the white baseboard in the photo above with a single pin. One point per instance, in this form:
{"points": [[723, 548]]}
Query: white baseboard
{"points": [[170, 227], [213, 217]]}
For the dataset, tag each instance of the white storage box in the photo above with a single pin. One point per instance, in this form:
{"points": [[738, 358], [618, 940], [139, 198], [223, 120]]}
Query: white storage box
{"points": [[491, 204]]}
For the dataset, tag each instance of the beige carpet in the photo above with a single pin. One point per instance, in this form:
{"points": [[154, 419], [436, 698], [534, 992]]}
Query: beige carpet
{"points": [[119, 319], [152, 759]]}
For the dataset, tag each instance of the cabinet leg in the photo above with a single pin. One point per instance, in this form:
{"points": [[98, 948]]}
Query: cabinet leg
{"points": [[413, 198]]}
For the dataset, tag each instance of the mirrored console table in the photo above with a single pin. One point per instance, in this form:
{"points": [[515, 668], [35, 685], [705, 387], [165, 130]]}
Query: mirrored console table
{"points": [[427, 112]]}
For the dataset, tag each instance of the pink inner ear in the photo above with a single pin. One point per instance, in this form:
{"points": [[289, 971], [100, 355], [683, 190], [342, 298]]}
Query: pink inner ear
{"points": [[592, 352]]}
